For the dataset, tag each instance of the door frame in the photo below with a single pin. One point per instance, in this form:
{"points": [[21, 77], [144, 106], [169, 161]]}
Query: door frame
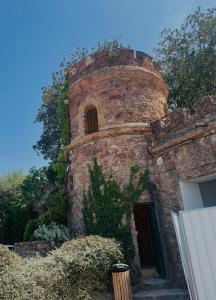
{"points": [[156, 238]]}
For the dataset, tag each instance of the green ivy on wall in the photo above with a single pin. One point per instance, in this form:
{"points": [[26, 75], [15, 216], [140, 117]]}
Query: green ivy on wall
{"points": [[63, 112], [108, 207]]}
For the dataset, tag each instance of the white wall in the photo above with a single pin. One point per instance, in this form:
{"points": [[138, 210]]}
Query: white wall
{"points": [[191, 195]]}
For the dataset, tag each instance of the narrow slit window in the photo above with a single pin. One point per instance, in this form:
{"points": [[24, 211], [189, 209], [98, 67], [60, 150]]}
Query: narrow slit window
{"points": [[91, 121]]}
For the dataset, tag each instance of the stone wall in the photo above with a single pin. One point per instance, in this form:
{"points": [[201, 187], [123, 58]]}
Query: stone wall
{"points": [[30, 249], [184, 149]]}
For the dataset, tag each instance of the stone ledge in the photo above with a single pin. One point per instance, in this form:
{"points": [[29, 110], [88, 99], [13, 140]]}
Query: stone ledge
{"points": [[182, 120], [110, 132], [30, 249], [182, 139]]}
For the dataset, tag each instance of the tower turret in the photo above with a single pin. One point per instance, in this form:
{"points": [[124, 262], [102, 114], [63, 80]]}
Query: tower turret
{"points": [[114, 97]]}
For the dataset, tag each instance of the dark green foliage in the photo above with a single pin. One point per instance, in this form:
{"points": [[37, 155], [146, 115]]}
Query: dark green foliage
{"points": [[108, 208], [30, 228], [35, 191], [188, 58], [13, 214], [14, 223], [38, 198], [50, 140], [45, 195], [53, 114], [20, 216], [63, 113]]}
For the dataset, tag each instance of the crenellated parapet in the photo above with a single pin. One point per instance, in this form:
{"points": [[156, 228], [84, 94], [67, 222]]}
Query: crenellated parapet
{"points": [[112, 58], [183, 125]]}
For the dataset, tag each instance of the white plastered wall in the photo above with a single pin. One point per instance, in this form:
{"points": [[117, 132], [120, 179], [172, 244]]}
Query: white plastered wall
{"points": [[191, 195]]}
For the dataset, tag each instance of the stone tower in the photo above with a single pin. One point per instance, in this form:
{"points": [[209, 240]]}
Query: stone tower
{"points": [[113, 99]]}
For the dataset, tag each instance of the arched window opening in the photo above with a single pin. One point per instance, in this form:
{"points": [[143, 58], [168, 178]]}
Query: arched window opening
{"points": [[91, 120]]}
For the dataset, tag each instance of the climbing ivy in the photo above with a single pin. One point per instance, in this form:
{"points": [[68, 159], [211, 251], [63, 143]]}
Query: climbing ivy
{"points": [[107, 207], [63, 113]]}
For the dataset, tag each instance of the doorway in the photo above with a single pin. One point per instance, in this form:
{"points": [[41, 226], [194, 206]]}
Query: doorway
{"points": [[148, 238]]}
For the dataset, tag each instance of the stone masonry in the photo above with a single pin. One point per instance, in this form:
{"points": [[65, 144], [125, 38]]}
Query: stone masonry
{"points": [[31, 249], [185, 144], [134, 125]]}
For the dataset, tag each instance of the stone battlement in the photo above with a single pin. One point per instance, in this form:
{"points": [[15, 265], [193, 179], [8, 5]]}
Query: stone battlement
{"points": [[182, 125], [112, 58], [182, 120]]}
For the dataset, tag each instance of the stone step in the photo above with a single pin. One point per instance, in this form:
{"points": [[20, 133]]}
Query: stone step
{"points": [[162, 294], [155, 284]]}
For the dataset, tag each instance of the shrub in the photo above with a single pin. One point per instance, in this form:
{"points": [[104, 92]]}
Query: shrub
{"points": [[52, 232], [33, 278], [7, 258], [77, 270], [30, 228], [108, 207], [87, 264]]}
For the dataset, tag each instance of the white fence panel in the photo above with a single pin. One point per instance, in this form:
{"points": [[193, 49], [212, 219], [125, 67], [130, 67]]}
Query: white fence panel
{"points": [[196, 235]]}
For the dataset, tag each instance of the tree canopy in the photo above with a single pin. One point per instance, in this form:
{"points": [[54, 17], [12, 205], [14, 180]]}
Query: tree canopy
{"points": [[31, 200], [10, 193], [187, 56]]}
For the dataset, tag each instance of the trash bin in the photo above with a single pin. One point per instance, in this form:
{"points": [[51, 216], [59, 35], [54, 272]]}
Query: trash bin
{"points": [[121, 282]]}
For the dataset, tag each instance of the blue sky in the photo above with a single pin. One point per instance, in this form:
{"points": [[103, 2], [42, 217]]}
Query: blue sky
{"points": [[36, 35]]}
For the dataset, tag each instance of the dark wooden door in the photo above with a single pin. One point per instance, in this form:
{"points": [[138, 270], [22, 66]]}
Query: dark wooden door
{"points": [[144, 236], [148, 237]]}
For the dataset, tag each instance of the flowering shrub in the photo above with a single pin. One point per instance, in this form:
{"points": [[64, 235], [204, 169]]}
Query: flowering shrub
{"points": [[77, 270], [7, 258], [87, 264]]}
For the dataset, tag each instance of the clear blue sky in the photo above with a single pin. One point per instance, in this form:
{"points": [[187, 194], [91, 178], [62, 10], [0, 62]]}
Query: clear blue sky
{"points": [[36, 35]]}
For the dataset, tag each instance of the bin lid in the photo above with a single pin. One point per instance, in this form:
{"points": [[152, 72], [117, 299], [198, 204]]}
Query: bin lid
{"points": [[120, 268]]}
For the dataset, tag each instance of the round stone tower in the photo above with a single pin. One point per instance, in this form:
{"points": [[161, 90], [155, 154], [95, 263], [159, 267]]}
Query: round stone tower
{"points": [[114, 97]]}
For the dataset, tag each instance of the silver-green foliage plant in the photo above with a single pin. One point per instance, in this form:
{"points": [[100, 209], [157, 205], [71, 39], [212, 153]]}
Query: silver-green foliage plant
{"points": [[52, 232], [78, 270]]}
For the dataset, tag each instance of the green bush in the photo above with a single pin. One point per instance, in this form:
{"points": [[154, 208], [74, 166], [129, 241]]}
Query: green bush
{"points": [[107, 207], [30, 228], [77, 270]]}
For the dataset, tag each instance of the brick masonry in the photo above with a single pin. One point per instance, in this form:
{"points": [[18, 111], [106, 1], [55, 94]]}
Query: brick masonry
{"points": [[131, 101]]}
